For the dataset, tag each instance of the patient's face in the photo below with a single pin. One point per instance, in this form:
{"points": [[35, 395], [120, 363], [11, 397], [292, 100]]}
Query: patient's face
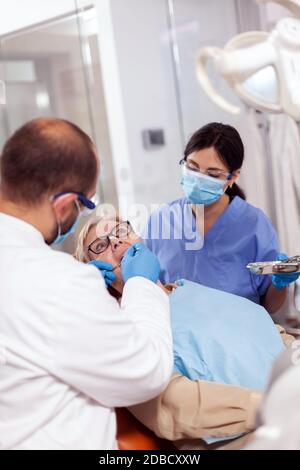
{"points": [[121, 237]]}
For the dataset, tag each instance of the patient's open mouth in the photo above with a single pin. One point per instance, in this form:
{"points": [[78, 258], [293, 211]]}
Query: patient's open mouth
{"points": [[117, 266]]}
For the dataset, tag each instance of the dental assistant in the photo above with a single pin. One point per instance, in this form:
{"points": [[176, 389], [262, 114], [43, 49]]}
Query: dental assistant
{"points": [[69, 353], [234, 233]]}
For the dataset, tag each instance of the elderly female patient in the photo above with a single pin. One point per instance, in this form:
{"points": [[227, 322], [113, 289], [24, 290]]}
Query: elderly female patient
{"points": [[224, 347]]}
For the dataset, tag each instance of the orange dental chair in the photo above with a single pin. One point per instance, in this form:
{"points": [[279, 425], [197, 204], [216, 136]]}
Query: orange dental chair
{"points": [[133, 435]]}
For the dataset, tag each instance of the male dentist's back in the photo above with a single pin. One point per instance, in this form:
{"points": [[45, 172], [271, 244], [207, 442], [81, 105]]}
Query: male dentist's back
{"points": [[69, 353]]}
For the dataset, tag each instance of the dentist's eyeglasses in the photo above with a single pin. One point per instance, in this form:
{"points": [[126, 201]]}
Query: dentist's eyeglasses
{"points": [[89, 204], [120, 231]]}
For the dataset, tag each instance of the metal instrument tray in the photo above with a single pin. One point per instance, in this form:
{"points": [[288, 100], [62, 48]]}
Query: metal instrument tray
{"points": [[290, 265]]}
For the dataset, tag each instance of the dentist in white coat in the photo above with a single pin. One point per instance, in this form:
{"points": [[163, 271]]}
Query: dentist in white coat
{"points": [[69, 353]]}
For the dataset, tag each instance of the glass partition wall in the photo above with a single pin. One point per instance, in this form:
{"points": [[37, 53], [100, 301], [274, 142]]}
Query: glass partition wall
{"points": [[53, 69]]}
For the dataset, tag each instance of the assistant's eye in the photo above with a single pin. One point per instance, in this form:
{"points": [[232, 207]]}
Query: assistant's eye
{"points": [[214, 173], [192, 167]]}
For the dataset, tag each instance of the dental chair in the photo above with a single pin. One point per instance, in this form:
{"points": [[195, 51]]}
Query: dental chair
{"points": [[133, 435]]}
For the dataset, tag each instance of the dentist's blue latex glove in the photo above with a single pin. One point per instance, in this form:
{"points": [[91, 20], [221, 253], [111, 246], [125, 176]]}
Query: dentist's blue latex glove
{"points": [[140, 261], [106, 270], [280, 281]]}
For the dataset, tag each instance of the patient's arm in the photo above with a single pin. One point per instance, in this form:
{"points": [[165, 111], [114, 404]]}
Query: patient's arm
{"points": [[197, 409], [274, 299]]}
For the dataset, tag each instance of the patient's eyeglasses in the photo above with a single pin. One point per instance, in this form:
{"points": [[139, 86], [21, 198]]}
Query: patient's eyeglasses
{"points": [[120, 231]]}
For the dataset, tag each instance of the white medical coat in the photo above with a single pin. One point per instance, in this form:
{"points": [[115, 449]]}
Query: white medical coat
{"points": [[69, 353]]}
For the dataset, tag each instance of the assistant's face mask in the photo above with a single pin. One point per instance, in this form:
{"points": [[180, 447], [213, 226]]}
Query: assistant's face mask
{"points": [[200, 188]]}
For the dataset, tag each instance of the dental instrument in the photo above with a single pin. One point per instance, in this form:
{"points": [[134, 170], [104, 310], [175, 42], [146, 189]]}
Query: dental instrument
{"points": [[290, 265]]}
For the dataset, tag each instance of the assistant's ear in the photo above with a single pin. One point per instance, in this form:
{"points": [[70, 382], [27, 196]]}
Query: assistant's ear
{"points": [[234, 178], [63, 204]]}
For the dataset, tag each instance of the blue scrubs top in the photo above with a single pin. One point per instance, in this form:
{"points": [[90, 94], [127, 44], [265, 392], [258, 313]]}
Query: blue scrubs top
{"points": [[241, 235]]}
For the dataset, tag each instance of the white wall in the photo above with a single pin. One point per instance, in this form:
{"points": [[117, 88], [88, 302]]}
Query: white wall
{"points": [[139, 54], [275, 12], [149, 96], [199, 24]]}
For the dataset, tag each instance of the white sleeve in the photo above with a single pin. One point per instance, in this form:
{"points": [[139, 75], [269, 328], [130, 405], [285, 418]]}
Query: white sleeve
{"points": [[116, 355]]}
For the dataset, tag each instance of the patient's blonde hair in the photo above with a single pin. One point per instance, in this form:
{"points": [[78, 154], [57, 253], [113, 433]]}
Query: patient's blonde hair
{"points": [[81, 253]]}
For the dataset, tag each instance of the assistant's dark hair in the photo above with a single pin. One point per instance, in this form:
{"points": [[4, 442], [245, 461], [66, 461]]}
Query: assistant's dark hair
{"points": [[228, 144], [44, 157]]}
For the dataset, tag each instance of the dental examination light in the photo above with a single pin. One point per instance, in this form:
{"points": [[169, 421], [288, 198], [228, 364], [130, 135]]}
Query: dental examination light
{"points": [[262, 68]]}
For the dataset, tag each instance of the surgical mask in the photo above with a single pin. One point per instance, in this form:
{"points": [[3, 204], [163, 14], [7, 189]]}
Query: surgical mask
{"points": [[61, 237], [200, 188]]}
